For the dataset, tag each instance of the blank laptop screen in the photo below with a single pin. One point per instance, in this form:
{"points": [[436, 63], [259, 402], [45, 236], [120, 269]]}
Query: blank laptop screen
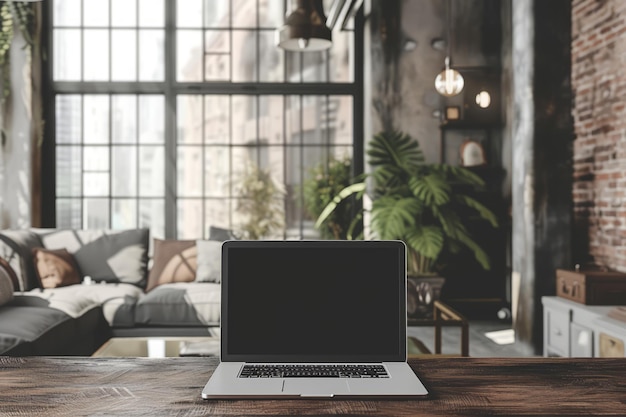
{"points": [[306, 301]]}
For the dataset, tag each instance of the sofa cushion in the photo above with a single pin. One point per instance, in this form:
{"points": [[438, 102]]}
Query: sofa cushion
{"points": [[6, 287], [174, 261], [4, 265], [27, 323], [180, 304], [55, 268], [16, 248], [209, 261], [104, 255], [117, 300]]}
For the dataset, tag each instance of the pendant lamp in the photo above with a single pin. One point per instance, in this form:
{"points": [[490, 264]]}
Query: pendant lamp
{"points": [[449, 82], [305, 28]]}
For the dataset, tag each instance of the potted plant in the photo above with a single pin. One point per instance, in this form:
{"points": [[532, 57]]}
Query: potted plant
{"points": [[323, 183], [261, 203], [422, 204]]}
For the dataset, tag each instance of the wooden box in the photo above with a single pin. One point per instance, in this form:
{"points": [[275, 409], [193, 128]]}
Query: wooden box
{"points": [[592, 287]]}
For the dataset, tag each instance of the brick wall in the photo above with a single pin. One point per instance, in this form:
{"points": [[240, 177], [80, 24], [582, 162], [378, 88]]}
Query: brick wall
{"points": [[599, 87]]}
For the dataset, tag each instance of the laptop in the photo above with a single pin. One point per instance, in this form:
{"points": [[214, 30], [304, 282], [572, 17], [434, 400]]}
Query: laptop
{"points": [[313, 319]]}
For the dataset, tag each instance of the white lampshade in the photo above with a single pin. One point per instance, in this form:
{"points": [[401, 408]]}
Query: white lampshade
{"points": [[449, 82], [305, 28]]}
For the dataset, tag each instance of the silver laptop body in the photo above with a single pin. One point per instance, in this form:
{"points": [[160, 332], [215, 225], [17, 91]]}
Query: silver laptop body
{"points": [[313, 319]]}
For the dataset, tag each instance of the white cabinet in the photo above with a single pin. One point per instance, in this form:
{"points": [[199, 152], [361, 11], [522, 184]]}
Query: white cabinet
{"points": [[576, 330]]}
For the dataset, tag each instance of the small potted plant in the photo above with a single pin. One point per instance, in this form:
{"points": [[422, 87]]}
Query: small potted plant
{"points": [[422, 204], [261, 204], [323, 183]]}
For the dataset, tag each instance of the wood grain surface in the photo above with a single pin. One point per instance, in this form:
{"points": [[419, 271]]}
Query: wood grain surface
{"points": [[70, 386]]}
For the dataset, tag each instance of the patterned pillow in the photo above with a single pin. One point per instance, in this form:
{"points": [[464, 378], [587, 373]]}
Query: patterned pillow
{"points": [[174, 261], [55, 268], [104, 255]]}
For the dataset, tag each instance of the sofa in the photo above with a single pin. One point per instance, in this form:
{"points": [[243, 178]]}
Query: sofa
{"points": [[74, 289]]}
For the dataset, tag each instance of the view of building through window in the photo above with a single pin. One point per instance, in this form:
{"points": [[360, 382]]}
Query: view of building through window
{"points": [[162, 106]]}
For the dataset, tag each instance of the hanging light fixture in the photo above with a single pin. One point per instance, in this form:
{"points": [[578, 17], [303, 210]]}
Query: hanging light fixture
{"points": [[449, 82], [305, 28]]}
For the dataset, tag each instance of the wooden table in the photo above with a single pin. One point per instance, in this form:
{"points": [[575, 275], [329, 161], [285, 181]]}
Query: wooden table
{"points": [[171, 386]]}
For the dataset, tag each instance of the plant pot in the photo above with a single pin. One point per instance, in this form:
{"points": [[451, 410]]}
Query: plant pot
{"points": [[421, 292]]}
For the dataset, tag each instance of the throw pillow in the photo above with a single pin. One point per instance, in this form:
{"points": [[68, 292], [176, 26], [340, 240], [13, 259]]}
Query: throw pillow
{"points": [[105, 255], [6, 267], [16, 247], [6, 287], [209, 261], [173, 261], [55, 268]]}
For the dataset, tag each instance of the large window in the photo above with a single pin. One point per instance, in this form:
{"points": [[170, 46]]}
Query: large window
{"points": [[161, 106]]}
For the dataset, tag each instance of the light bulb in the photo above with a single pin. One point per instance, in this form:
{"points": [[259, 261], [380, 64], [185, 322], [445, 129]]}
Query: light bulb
{"points": [[449, 82], [483, 99], [303, 43]]}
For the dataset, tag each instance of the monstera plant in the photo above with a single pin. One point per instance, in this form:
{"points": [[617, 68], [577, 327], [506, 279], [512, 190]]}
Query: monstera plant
{"points": [[428, 206]]}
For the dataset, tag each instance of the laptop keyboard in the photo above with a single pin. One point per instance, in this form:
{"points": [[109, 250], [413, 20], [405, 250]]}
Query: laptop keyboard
{"points": [[313, 371]]}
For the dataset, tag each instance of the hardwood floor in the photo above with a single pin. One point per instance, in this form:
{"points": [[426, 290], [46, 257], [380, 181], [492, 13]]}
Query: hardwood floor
{"points": [[479, 344]]}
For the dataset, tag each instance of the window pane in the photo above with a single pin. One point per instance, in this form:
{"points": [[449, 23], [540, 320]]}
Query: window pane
{"points": [[217, 213], [293, 63], [68, 119], [340, 120], [151, 171], [152, 215], [292, 120], [189, 13], [314, 66], [217, 171], [124, 118], [244, 65], [68, 214], [216, 41], [244, 118], [189, 171], [216, 67], [151, 13], [151, 55], [124, 214], [67, 12], [96, 184], [216, 13], [216, 119], [151, 119], [341, 55], [190, 218], [124, 171], [189, 119], [189, 49], [95, 213], [68, 171], [271, 13], [67, 55], [96, 124], [124, 51], [96, 158], [123, 13], [96, 59], [96, 13], [270, 58], [244, 15], [271, 113]]}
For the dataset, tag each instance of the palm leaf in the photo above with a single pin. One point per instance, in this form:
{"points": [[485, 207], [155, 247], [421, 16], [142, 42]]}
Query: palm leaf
{"points": [[427, 241], [354, 189], [459, 174], [480, 255], [393, 216], [480, 208], [432, 189], [395, 149]]}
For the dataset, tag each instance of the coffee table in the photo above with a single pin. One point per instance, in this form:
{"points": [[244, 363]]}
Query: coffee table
{"points": [[158, 347]]}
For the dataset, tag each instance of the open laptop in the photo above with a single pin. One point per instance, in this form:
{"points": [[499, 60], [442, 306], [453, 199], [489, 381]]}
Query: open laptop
{"points": [[317, 319]]}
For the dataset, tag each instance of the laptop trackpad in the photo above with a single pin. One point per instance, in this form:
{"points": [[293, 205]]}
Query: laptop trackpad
{"points": [[316, 387]]}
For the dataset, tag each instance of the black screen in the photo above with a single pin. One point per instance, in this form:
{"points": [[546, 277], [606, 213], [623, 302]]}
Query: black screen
{"points": [[340, 300]]}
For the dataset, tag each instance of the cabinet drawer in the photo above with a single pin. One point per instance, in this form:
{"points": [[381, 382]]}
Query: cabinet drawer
{"points": [[611, 346], [558, 331], [581, 341]]}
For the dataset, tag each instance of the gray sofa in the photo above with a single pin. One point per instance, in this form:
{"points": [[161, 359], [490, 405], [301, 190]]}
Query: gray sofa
{"points": [[179, 295]]}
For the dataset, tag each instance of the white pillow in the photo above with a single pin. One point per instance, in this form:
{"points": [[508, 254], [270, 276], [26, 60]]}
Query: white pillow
{"points": [[6, 287], [209, 261]]}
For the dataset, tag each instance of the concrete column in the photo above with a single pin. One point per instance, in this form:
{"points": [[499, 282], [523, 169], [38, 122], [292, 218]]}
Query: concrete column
{"points": [[542, 135]]}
